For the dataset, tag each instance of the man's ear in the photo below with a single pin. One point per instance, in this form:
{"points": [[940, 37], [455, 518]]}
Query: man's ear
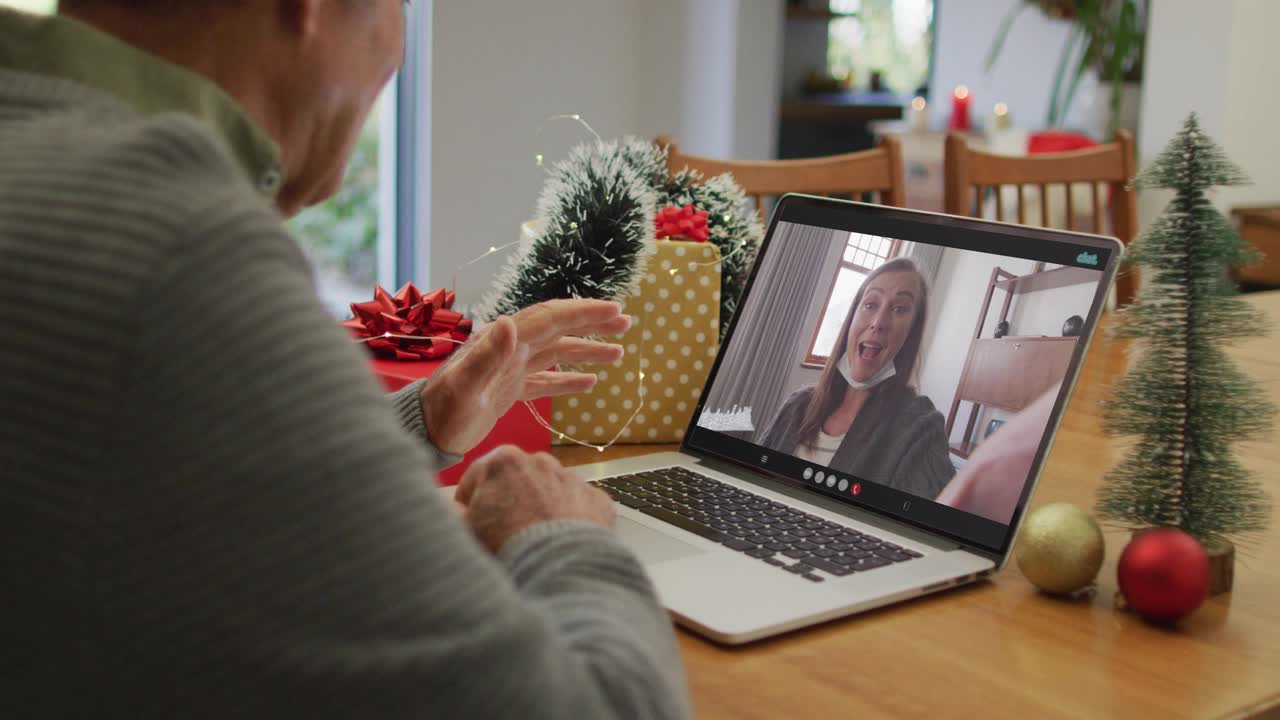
{"points": [[300, 18]]}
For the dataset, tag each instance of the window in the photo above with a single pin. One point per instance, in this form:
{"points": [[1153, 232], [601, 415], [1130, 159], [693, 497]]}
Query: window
{"points": [[365, 233], [862, 254], [43, 7], [893, 38], [350, 239]]}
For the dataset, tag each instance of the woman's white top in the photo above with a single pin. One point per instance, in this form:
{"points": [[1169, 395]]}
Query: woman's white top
{"points": [[821, 452]]}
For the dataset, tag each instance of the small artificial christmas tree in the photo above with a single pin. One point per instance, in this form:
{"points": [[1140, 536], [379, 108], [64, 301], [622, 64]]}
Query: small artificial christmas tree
{"points": [[1183, 399]]}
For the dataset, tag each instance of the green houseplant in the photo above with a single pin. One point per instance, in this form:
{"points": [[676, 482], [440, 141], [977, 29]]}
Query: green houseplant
{"points": [[1112, 35]]}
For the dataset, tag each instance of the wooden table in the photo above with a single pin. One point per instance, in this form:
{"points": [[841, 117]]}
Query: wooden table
{"points": [[1001, 649]]}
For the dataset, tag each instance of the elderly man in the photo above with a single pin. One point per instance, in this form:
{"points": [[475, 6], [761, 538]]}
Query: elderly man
{"points": [[207, 507]]}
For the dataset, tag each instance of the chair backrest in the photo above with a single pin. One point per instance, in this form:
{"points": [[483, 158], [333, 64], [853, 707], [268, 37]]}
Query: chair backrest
{"points": [[969, 171], [855, 174]]}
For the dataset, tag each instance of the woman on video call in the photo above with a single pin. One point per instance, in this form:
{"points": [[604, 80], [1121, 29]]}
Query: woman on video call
{"points": [[864, 417]]}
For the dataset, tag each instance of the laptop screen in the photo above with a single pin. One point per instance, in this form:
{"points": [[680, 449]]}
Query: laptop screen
{"points": [[907, 363]]}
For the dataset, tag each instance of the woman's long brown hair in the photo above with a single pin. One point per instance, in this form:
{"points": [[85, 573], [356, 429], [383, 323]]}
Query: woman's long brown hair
{"points": [[831, 387]]}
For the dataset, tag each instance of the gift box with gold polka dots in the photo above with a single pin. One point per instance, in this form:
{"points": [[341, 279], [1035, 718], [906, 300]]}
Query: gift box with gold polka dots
{"points": [[649, 395]]}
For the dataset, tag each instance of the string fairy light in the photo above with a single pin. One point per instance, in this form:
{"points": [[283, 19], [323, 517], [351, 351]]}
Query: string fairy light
{"points": [[538, 157], [537, 135], [695, 265], [494, 249]]}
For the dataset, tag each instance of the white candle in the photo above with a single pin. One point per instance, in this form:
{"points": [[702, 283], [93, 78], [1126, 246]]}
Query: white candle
{"points": [[1002, 121], [919, 115]]}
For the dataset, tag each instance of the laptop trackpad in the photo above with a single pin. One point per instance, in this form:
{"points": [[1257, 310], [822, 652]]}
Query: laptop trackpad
{"points": [[650, 545]]}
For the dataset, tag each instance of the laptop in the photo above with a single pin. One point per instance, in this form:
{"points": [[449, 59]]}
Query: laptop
{"points": [[804, 492]]}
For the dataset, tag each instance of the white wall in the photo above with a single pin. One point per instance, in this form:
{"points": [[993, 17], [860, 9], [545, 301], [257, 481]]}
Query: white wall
{"points": [[1177, 81], [1253, 102], [1219, 60], [1023, 76], [498, 70], [705, 71], [758, 79], [1044, 312], [688, 53]]}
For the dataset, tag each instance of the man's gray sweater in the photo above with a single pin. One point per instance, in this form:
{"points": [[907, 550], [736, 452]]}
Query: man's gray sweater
{"points": [[207, 507]]}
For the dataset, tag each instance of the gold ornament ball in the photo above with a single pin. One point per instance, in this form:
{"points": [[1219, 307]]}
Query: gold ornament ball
{"points": [[1060, 548]]}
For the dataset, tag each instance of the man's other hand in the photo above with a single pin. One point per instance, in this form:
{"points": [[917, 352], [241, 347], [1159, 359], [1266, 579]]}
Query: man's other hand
{"points": [[990, 484], [509, 490]]}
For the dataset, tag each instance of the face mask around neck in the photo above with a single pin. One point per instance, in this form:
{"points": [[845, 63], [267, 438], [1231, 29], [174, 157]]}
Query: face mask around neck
{"points": [[884, 373]]}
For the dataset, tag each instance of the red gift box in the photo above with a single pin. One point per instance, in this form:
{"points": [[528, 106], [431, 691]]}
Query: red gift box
{"points": [[518, 427]]}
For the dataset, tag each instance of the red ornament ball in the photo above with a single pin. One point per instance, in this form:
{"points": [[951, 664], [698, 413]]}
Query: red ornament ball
{"points": [[1164, 574]]}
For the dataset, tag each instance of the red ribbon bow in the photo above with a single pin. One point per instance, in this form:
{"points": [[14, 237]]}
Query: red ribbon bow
{"points": [[410, 325], [685, 222]]}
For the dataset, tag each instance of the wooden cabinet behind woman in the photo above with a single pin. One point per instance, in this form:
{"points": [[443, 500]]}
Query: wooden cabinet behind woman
{"points": [[1008, 373]]}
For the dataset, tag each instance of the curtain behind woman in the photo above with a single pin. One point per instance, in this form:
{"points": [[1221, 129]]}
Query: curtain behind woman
{"points": [[771, 326]]}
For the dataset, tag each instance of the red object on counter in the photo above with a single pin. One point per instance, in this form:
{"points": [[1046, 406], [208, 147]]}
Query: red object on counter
{"points": [[1051, 141], [1056, 141]]}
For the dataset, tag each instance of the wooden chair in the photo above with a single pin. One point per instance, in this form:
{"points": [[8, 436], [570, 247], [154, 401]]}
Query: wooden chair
{"points": [[1110, 165], [878, 171]]}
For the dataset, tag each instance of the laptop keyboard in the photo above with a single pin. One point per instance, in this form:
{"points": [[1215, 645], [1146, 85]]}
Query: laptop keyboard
{"points": [[761, 528]]}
